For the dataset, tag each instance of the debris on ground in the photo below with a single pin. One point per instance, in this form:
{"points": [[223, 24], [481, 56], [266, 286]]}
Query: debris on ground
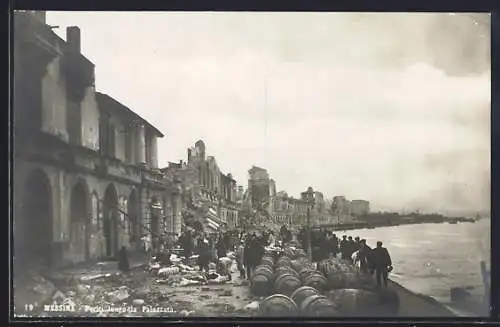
{"points": [[178, 288], [118, 295]]}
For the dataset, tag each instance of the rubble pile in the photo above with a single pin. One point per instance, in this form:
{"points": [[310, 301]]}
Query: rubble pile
{"points": [[108, 294], [34, 289]]}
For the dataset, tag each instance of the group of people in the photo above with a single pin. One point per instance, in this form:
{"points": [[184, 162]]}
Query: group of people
{"points": [[250, 247], [325, 243]]}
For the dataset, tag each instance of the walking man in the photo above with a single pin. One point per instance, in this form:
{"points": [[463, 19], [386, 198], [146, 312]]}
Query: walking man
{"points": [[344, 251], [382, 264], [364, 256]]}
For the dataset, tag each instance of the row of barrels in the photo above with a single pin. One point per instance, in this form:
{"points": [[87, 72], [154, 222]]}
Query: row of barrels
{"points": [[342, 275], [308, 302], [334, 288], [285, 275], [296, 285], [304, 301]]}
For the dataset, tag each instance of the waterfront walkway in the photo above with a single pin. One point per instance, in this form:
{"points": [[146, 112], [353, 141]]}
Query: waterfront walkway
{"points": [[416, 305]]}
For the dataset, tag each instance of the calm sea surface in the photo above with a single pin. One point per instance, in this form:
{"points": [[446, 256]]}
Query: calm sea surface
{"points": [[430, 259]]}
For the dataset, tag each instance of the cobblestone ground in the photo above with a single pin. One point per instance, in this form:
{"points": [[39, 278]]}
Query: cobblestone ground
{"points": [[100, 291]]}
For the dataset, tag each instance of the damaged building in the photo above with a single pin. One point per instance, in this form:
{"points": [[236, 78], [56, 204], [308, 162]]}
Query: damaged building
{"points": [[86, 178], [210, 198]]}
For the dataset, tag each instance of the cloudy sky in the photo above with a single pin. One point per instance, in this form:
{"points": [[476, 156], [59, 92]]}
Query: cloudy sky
{"points": [[390, 107]]}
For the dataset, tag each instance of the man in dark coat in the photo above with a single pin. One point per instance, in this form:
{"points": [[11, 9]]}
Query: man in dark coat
{"points": [[221, 247], [187, 243], [288, 236], [252, 254], [364, 256], [381, 261], [334, 245], [283, 232], [227, 241], [302, 238], [344, 247], [123, 262], [357, 243], [205, 254], [351, 248]]}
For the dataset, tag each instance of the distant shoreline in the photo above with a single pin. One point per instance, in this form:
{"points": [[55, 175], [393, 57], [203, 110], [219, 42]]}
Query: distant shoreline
{"points": [[391, 221]]}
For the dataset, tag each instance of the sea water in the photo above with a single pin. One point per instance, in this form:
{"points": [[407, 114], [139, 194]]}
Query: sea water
{"points": [[430, 259]]}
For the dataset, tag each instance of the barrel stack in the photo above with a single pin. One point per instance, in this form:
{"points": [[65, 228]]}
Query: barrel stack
{"points": [[335, 288], [286, 280], [262, 279], [356, 294], [278, 305], [295, 281]]}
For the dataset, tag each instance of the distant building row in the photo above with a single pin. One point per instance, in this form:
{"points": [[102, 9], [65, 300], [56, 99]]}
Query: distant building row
{"points": [[281, 208], [344, 210]]}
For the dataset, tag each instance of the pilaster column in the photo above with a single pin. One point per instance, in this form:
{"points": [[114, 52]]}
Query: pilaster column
{"points": [[177, 212], [154, 152], [140, 144]]}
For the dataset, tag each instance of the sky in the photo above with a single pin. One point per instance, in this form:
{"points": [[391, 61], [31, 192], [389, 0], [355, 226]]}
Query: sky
{"points": [[389, 107]]}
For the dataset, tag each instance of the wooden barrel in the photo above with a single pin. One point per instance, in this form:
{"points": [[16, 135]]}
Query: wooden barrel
{"points": [[267, 261], [301, 263], [265, 270], [283, 261], [286, 284], [355, 302], [278, 305], [325, 267], [303, 273], [261, 281], [288, 252], [302, 293], [297, 265], [285, 269], [301, 253], [335, 266], [315, 280], [344, 280], [292, 253], [318, 306]]}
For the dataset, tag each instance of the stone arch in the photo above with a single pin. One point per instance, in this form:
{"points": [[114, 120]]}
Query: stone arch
{"points": [[80, 219], [33, 223], [135, 224], [110, 220]]}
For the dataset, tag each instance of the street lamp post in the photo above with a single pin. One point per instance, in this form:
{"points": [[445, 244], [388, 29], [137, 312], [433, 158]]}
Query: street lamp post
{"points": [[309, 198]]}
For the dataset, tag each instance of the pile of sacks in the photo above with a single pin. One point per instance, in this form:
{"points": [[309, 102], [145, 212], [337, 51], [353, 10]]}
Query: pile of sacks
{"points": [[175, 273]]}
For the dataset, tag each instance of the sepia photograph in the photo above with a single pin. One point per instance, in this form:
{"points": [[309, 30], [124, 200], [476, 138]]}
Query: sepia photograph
{"points": [[251, 164]]}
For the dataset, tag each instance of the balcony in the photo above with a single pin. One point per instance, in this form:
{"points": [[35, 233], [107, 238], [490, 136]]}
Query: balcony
{"points": [[153, 176]]}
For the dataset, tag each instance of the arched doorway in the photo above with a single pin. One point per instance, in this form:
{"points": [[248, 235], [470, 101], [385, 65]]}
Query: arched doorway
{"points": [[79, 220], [110, 221], [133, 217], [33, 222], [155, 209]]}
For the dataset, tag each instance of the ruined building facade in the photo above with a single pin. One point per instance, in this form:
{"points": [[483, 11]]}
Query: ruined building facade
{"points": [[85, 166], [213, 193]]}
